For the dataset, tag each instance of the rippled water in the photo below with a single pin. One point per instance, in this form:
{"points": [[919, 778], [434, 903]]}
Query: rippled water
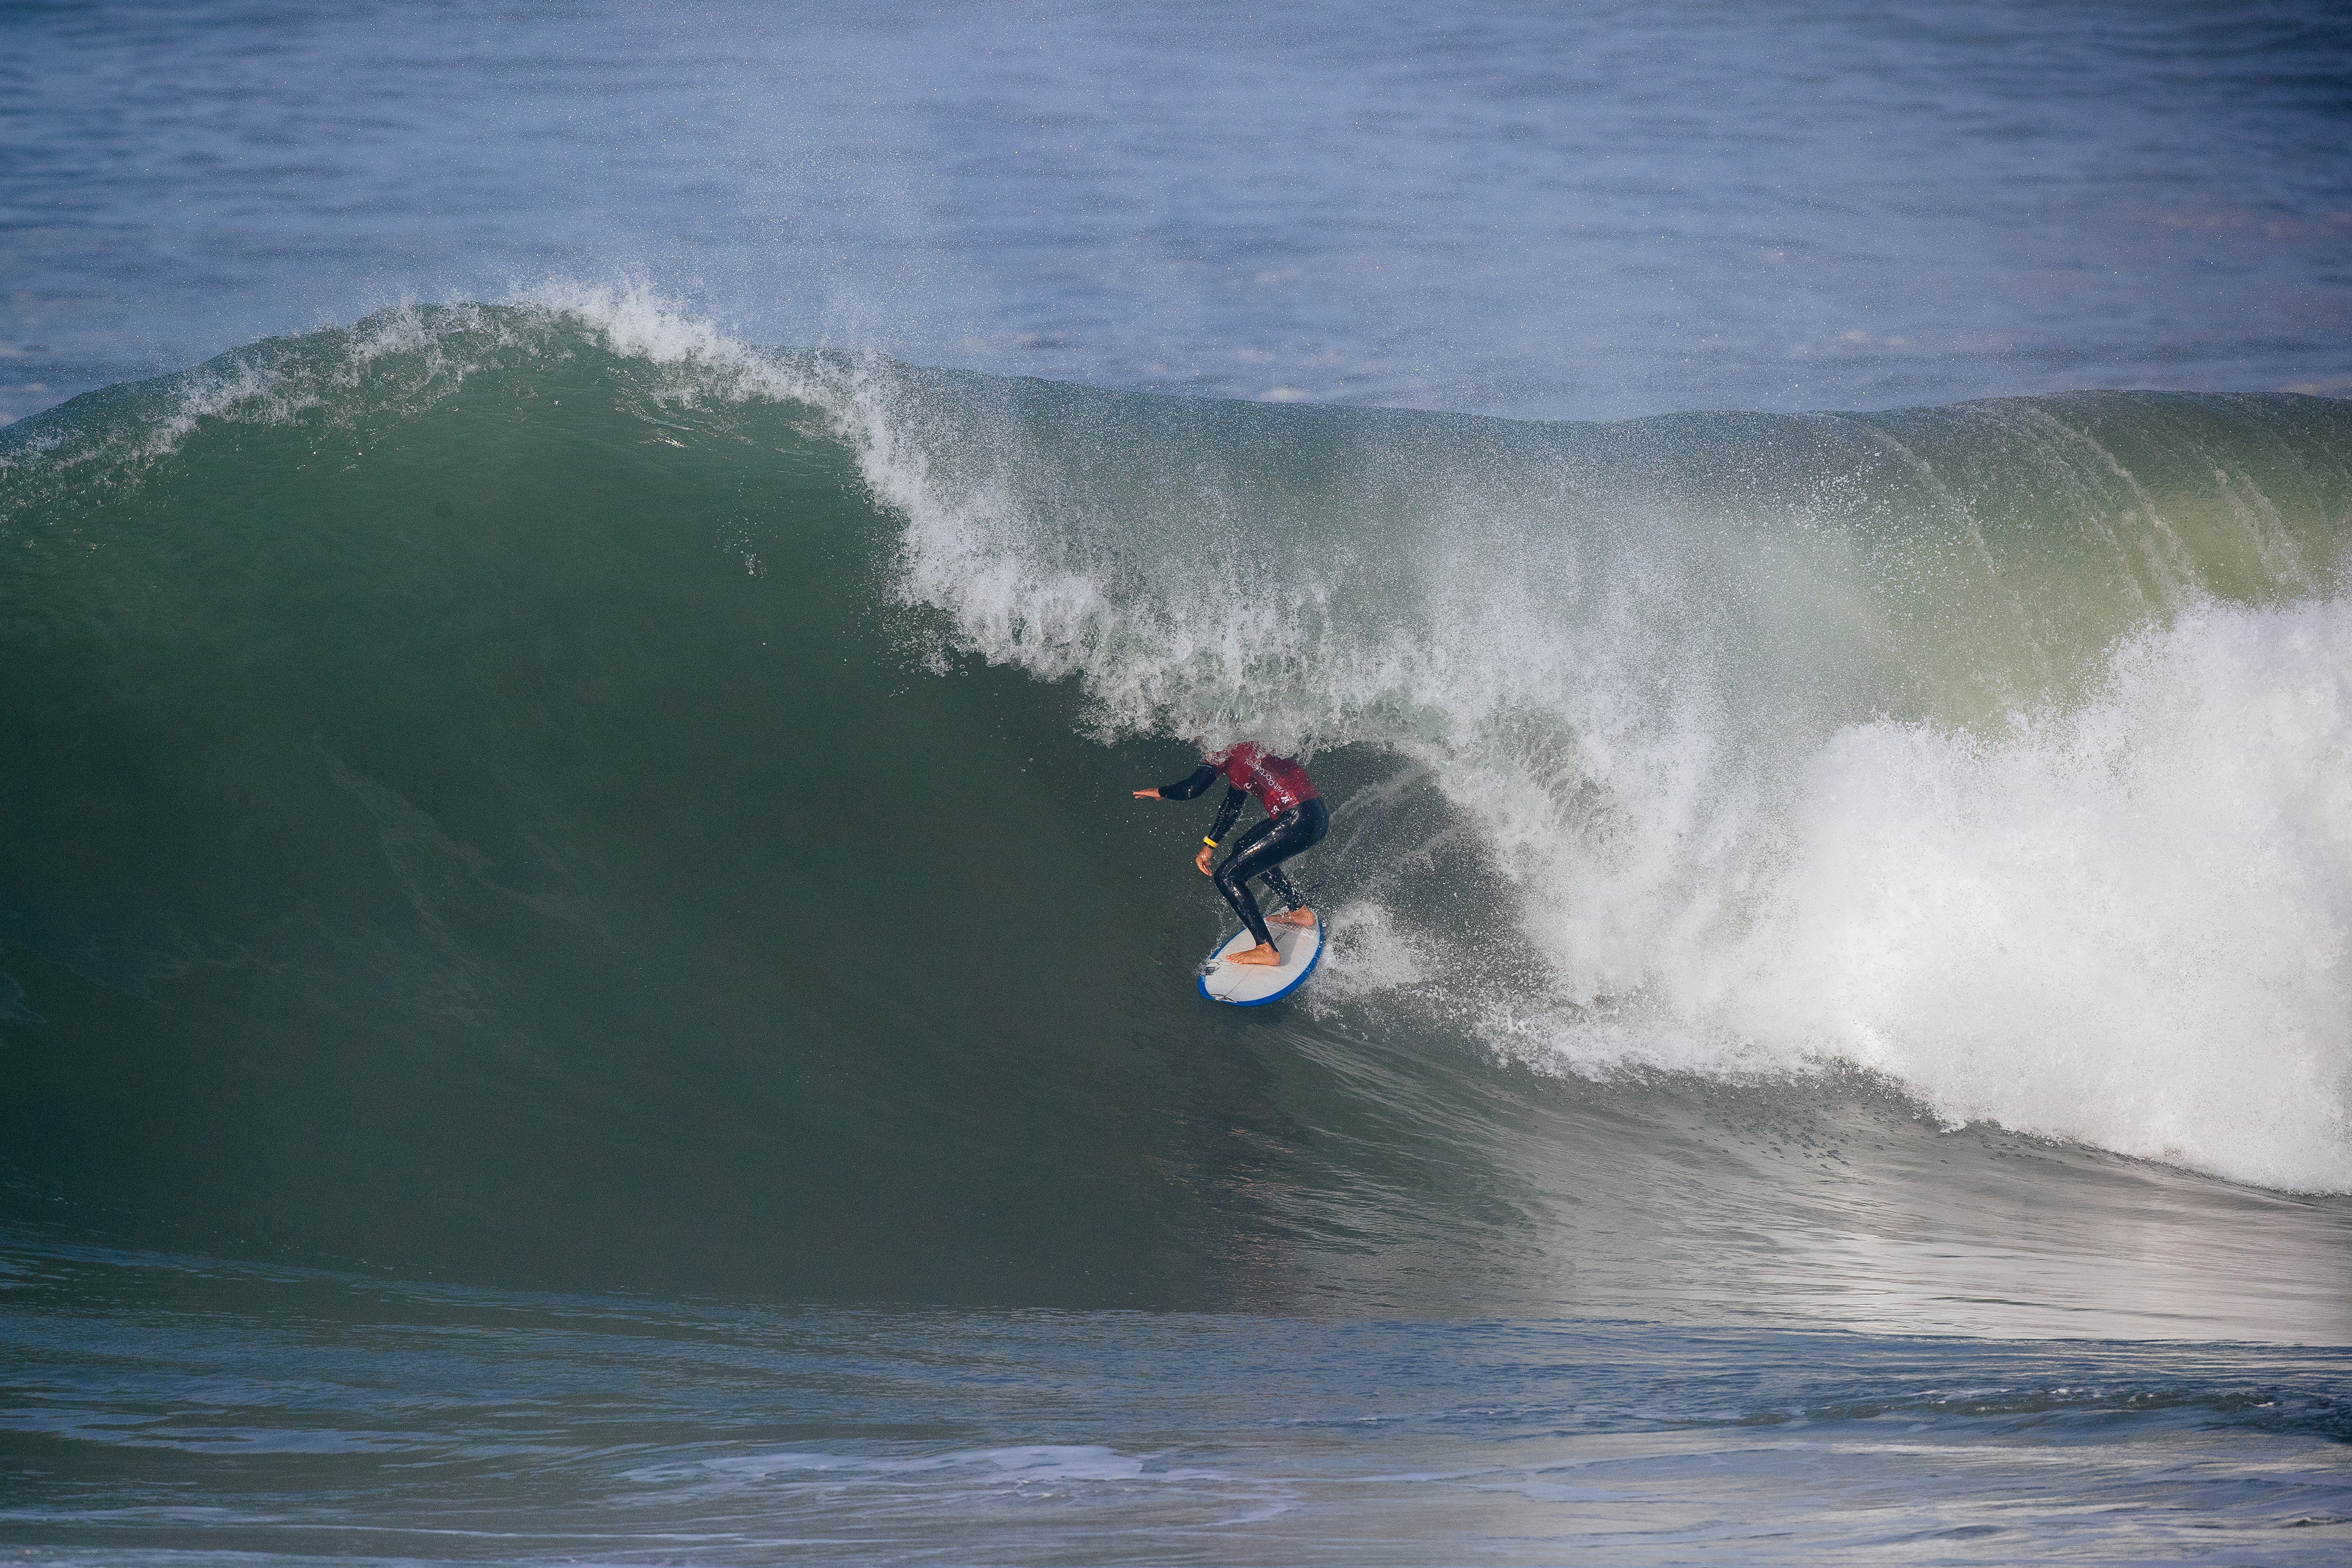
{"points": [[1566, 212]]}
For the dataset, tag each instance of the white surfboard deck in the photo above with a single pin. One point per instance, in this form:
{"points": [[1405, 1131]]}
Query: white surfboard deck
{"points": [[1256, 985]]}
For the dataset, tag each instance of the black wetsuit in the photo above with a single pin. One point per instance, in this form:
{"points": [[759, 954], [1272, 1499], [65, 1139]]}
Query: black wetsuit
{"points": [[1260, 849]]}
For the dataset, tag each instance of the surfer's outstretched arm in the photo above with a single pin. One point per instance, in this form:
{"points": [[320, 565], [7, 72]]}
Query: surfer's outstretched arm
{"points": [[1202, 777]]}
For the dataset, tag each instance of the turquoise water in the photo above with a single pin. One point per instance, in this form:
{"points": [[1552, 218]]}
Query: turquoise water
{"points": [[579, 979]]}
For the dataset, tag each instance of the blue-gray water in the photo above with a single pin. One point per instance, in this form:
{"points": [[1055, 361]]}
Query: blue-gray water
{"points": [[1551, 211], [1835, 1044], [171, 1410]]}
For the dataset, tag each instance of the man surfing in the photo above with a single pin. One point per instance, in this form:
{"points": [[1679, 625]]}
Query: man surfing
{"points": [[1295, 820]]}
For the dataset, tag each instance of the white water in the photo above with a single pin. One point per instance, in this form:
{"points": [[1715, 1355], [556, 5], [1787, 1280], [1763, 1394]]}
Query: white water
{"points": [[2122, 924]]}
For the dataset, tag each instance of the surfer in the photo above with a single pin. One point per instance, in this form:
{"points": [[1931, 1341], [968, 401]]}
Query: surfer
{"points": [[1295, 820]]}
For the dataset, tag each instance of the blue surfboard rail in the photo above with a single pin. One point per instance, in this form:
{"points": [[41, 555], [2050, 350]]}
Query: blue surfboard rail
{"points": [[1201, 980]]}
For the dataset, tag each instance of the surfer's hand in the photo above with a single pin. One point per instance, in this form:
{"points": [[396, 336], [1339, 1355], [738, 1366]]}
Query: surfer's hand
{"points": [[1146, 794], [1202, 859]]}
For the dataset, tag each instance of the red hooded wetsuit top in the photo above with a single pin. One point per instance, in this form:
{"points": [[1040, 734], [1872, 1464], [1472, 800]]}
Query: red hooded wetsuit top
{"points": [[1279, 783]]}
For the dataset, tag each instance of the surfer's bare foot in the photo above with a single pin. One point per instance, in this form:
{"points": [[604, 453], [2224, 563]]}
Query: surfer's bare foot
{"points": [[1301, 917], [1264, 953]]}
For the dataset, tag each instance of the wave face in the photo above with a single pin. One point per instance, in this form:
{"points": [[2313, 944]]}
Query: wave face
{"points": [[548, 784]]}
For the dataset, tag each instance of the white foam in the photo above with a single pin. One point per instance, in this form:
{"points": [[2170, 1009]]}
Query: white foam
{"points": [[2125, 924], [1020, 1466]]}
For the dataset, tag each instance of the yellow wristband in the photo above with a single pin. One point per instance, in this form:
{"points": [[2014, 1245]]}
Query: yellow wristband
{"points": [[1210, 842]]}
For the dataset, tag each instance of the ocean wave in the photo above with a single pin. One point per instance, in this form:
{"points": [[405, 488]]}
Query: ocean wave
{"points": [[375, 678]]}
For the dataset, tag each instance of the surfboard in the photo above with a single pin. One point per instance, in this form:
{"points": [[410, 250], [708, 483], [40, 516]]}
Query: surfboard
{"points": [[1256, 985]]}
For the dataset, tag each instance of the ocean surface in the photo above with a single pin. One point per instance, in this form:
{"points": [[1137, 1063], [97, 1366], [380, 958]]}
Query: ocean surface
{"points": [[1584, 211], [582, 590]]}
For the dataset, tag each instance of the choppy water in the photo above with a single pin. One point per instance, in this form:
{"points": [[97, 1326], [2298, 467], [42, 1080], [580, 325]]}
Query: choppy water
{"points": [[171, 1410], [1835, 1044]]}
